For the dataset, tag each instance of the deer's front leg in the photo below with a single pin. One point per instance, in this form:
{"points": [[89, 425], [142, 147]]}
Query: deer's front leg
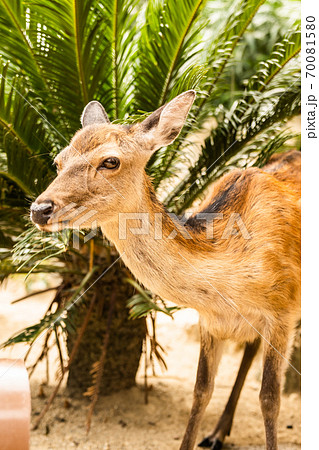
{"points": [[274, 362], [216, 439], [210, 354]]}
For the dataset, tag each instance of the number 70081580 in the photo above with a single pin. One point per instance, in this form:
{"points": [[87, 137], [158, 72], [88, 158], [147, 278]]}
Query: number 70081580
{"points": [[310, 46]]}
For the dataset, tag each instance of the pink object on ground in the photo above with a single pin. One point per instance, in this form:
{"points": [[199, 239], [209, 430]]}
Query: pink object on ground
{"points": [[15, 405]]}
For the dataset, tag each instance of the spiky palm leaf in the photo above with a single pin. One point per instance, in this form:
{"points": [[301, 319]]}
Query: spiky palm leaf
{"points": [[25, 143], [222, 47], [219, 51], [272, 96], [16, 43], [168, 42], [232, 136]]}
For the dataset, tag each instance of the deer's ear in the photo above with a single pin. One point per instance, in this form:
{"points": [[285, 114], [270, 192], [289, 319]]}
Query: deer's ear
{"points": [[164, 125], [94, 113]]}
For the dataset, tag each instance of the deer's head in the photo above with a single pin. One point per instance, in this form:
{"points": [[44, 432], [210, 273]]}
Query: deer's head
{"points": [[101, 172]]}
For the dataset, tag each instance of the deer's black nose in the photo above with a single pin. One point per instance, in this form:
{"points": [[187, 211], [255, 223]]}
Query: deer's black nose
{"points": [[41, 212]]}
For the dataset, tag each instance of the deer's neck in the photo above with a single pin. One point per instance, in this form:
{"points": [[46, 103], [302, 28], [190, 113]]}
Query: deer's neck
{"points": [[171, 261]]}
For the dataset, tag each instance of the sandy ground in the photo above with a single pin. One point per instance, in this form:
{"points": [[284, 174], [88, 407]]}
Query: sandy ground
{"points": [[123, 421]]}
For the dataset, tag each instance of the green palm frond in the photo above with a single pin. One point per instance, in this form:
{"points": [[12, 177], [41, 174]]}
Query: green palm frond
{"points": [[167, 45], [283, 52], [99, 47], [261, 106], [31, 333], [121, 33], [25, 144], [16, 44], [142, 303], [162, 165], [92, 42], [56, 315], [263, 152], [222, 47], [34, 248], [67, 32], [230, 137], [218, 56]]}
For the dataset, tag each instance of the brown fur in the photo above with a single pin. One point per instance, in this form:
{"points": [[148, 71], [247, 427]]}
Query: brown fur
{"points": [[244, 286]]}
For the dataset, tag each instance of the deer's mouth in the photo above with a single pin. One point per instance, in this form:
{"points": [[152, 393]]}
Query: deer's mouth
{"points": [[51, 217], [54, 226]]}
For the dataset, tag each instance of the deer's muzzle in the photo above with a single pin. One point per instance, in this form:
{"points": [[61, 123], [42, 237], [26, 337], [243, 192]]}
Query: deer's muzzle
{"points": [[41, 212]]}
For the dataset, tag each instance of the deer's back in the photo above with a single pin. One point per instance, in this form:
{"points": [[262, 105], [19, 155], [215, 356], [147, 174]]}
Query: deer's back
{"points": [[267, 201], [230, 191], [251, 192], [286, 167]]}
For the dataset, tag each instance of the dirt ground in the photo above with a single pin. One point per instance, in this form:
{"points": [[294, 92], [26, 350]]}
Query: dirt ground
{"points": [[123, 421]]}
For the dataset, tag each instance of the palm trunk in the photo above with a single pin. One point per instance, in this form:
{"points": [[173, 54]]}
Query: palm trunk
{"points": [[125, 336]]}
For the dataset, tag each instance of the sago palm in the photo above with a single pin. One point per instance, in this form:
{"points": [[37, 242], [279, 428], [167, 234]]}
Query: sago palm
{"points": [[132, 56]]}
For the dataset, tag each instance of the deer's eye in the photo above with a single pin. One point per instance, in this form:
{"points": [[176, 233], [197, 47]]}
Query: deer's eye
{"points": [[110, 163]]}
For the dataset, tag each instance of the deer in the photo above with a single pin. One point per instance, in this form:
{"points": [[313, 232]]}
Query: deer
{"points": [[245, 288]]}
